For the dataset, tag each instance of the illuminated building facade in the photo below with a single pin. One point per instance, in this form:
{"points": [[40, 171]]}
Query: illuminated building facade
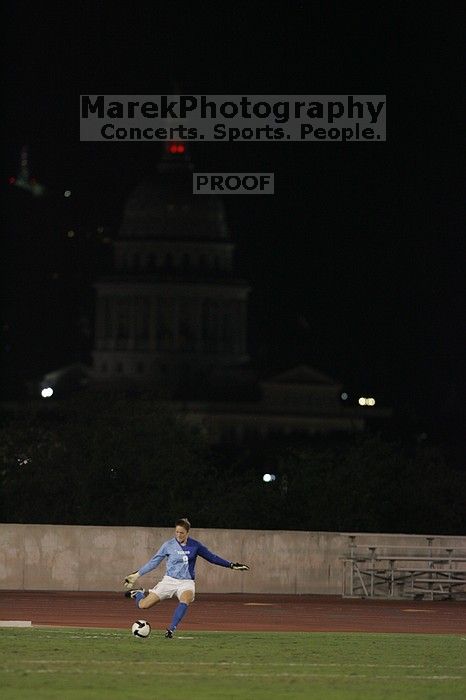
{"points": [[173, 313]]}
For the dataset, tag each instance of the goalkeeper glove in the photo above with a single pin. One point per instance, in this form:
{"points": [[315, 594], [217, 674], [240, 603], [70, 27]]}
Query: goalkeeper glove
{"points": [[239, 567], [130, 580]]}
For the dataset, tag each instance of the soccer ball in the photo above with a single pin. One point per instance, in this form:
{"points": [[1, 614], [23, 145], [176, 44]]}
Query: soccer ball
{"points": [[140, 628]]}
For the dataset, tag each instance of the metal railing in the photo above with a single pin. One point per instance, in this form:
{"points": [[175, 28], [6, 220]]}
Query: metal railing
{"points": [[384, 571]]}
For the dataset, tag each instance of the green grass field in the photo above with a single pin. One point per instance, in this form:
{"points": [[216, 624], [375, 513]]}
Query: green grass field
{"points": [[71, 663]]}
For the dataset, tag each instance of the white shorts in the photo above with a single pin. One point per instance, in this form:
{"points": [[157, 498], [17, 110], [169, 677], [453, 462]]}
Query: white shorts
{"points": [[168, 587]]}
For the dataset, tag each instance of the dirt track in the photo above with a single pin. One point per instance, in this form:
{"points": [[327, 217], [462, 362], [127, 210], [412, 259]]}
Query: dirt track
{"points": [[239, 612]]}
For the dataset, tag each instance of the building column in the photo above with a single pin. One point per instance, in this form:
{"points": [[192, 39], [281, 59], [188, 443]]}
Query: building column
{"points": [[242, 326], [217, 326], [152, 322], [113, 310], [175, 320], [197, 321], [132, 313], [100, 323]]}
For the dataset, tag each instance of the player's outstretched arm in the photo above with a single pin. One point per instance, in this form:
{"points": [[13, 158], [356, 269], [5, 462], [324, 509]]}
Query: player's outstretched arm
{"points": [[130, 580], [239, 567]]}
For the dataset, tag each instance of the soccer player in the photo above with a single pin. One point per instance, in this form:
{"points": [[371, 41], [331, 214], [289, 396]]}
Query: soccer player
{"points": [[181, 553]]}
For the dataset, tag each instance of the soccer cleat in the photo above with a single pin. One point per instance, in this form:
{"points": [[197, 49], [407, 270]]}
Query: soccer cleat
{"points": [[132, 594], [169, 634]]}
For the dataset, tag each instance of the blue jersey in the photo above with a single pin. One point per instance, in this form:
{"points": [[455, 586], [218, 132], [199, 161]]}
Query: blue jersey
{"points": [[181, 558]]}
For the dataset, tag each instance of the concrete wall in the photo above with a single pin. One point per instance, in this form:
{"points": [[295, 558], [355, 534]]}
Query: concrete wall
{"points": [[91, 558]]}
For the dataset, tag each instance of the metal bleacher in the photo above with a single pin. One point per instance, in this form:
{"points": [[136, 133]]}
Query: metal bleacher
{"points": [[425, 572]]}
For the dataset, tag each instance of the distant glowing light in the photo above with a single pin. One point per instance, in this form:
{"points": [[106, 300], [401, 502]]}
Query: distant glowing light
{"points": [[363, 401], [67, 193], [71, 234], [177, 148], [268, 478], [47, 392], [344, 396]]}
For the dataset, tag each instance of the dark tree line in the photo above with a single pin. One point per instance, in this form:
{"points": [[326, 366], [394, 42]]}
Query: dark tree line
{"points": [[115, 461]]}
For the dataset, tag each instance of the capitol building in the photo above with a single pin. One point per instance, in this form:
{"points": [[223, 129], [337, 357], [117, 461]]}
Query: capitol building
{"points": [[171, 322]]}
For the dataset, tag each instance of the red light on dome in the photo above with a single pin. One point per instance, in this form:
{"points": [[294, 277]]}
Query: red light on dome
{"points": [[11, 180], [176, 148]]}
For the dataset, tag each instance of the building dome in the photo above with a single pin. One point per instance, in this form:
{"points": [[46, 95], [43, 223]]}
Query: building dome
{"points": [[167, 209]]}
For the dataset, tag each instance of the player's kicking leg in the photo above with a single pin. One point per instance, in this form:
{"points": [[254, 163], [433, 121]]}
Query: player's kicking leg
{"points": [[144, 599]]}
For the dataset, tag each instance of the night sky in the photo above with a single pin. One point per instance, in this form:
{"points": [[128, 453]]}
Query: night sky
{"points": [[356, 262]]}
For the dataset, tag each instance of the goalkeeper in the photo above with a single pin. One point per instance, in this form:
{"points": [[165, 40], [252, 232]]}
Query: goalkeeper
{"points": [[181, 553]]}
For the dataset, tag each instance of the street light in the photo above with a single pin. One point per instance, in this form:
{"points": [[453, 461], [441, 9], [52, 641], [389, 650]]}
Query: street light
{"points": [[363, 401]]}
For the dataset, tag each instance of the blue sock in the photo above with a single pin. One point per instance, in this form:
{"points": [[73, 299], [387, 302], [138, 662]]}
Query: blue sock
{"points": [[180, 612], [139, 596]]}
